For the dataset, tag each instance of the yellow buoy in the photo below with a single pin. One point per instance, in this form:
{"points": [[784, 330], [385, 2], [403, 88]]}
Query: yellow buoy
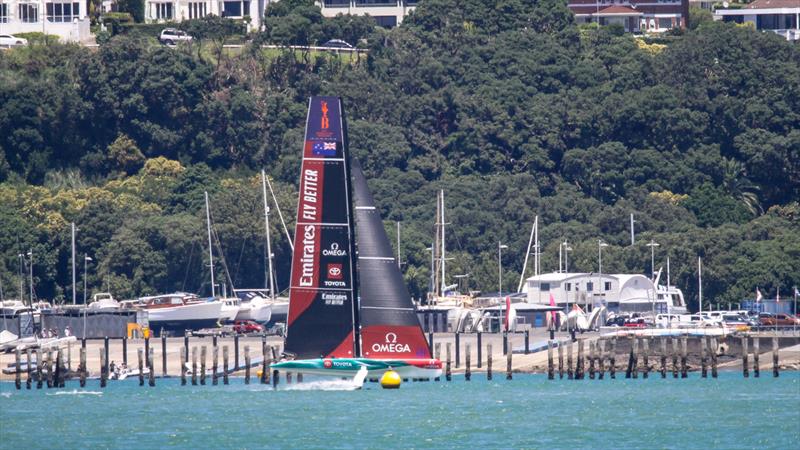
{"points": [[391, 380]]}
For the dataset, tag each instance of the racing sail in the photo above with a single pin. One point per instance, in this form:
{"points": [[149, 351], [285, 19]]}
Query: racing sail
{"points": [[389, 324], [323, 318]]}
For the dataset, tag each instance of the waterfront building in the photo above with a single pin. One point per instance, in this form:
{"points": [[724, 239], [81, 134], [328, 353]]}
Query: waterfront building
{"points": [[66, 19], [630, 293], [636, 16], [781, 17]]}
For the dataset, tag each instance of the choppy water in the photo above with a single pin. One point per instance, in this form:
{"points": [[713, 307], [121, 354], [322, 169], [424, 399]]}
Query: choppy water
{"points": [[528, 412]]}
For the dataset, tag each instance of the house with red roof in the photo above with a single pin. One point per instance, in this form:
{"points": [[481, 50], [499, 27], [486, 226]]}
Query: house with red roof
{"points": [[636, 16]]}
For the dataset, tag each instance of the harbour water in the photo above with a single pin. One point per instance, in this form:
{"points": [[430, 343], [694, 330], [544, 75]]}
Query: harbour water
{"points": [[527, 412]]}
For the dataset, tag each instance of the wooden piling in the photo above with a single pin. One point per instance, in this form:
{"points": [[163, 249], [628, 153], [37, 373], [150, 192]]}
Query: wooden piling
{"points": [[674, 357], [612, 359], [467, 366], [264, 359], [18, 369], [39, 365], [299, 377], [183, 366], [488, 361], [83, 367], [246, 364], [560, 361], [756, 351], [225, 364], [509, 355], [141, 366], [146, 351], [663, 342], [527, 342], [103, 369], [273, 356], [236, 352], [601, 358], [646, 356], [579, 362], [163, 355], [105, 348], [775, 366], [550, 369], [714, 349], [438, 355], [745, 365], [480, 349], [194, 366], [703, 359], [214, 366], [458, 349], [125, 350], [570, 374], [152, 380], [684, 365], [447, 375], [29, 370], [49, 368], [69, 358], [58, 379], [632, 360], [203, 352], [591, 360], [288, 377]]}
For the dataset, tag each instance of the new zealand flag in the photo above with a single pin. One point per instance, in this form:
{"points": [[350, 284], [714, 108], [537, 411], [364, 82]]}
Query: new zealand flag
{"points": [[324, 148]]}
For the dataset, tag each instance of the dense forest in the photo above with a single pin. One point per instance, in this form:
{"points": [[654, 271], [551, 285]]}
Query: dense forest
{"points": [[509, 107]]}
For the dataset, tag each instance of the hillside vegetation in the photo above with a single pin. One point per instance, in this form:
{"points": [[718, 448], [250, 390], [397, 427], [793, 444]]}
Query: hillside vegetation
{"points": [[507, 106]]}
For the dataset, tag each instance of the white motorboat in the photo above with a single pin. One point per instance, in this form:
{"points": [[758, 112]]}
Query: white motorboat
{"points": [[231, 307], [180, 311], [103, 301], [257, 306]]}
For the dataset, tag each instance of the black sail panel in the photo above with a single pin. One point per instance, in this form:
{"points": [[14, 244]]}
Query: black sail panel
{"points": [[389, 324], [321, 315]]}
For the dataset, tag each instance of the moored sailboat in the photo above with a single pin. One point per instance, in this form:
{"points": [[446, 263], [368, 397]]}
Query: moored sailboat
{"points": [[339, 253]]}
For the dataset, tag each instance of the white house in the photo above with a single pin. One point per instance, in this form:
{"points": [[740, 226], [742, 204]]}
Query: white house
{"points": [[778, 16], [156, 11], [64, 18]]}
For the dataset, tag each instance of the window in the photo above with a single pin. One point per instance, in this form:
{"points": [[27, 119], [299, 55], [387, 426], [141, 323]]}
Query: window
{"points": [[28, 13], [338, 3], [376, 2], [568, 286], [197, 10], [386, 21], [163, 11], [235, 9], [3, 13], [664, 22], [62, 12], [589, 286], [545, 287], [607, 286]]}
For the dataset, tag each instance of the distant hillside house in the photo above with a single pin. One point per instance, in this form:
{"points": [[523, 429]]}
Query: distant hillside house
{"points": [[778, 16], [64, 18], [636, 16], [159, 11], [388, 13]]}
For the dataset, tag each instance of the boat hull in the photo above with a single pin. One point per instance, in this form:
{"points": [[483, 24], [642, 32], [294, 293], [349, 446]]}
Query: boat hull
{"points": [[185, 317], [256, 311], [348, 367]]}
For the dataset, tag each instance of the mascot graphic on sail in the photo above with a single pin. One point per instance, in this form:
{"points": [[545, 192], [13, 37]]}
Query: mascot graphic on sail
{"points": [[348, 305]]}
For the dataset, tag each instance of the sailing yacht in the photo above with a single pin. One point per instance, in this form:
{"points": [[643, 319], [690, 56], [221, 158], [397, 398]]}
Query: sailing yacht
{"points": [[348, 306]]}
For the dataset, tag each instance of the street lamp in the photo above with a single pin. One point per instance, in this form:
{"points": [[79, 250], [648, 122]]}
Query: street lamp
{"points": [[86, 259], [567, 249], [464, 276], [30, 253], [21, 278], [652, 246], [600, 245]]}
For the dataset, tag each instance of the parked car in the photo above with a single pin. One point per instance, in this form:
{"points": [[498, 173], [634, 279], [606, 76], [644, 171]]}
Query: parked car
{"points": [[171, 36], [9, 40], [636, 323], [247, 326], [337, 43], [768, 319]]}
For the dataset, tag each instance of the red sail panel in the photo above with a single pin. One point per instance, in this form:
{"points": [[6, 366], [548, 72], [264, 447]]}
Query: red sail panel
{"points": [[394, 342], [321, 310]]}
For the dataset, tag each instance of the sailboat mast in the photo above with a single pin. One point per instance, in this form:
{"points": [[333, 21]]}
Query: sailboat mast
{"points": [[398, 245], [527, 252], [536, 251], [280, 215], [441, 196], [269, 244], [73, 263], [210, 251]]}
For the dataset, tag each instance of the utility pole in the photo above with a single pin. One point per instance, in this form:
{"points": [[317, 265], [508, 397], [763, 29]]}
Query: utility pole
{"points": [[269, 244], [210, 252], [30, 253]]}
